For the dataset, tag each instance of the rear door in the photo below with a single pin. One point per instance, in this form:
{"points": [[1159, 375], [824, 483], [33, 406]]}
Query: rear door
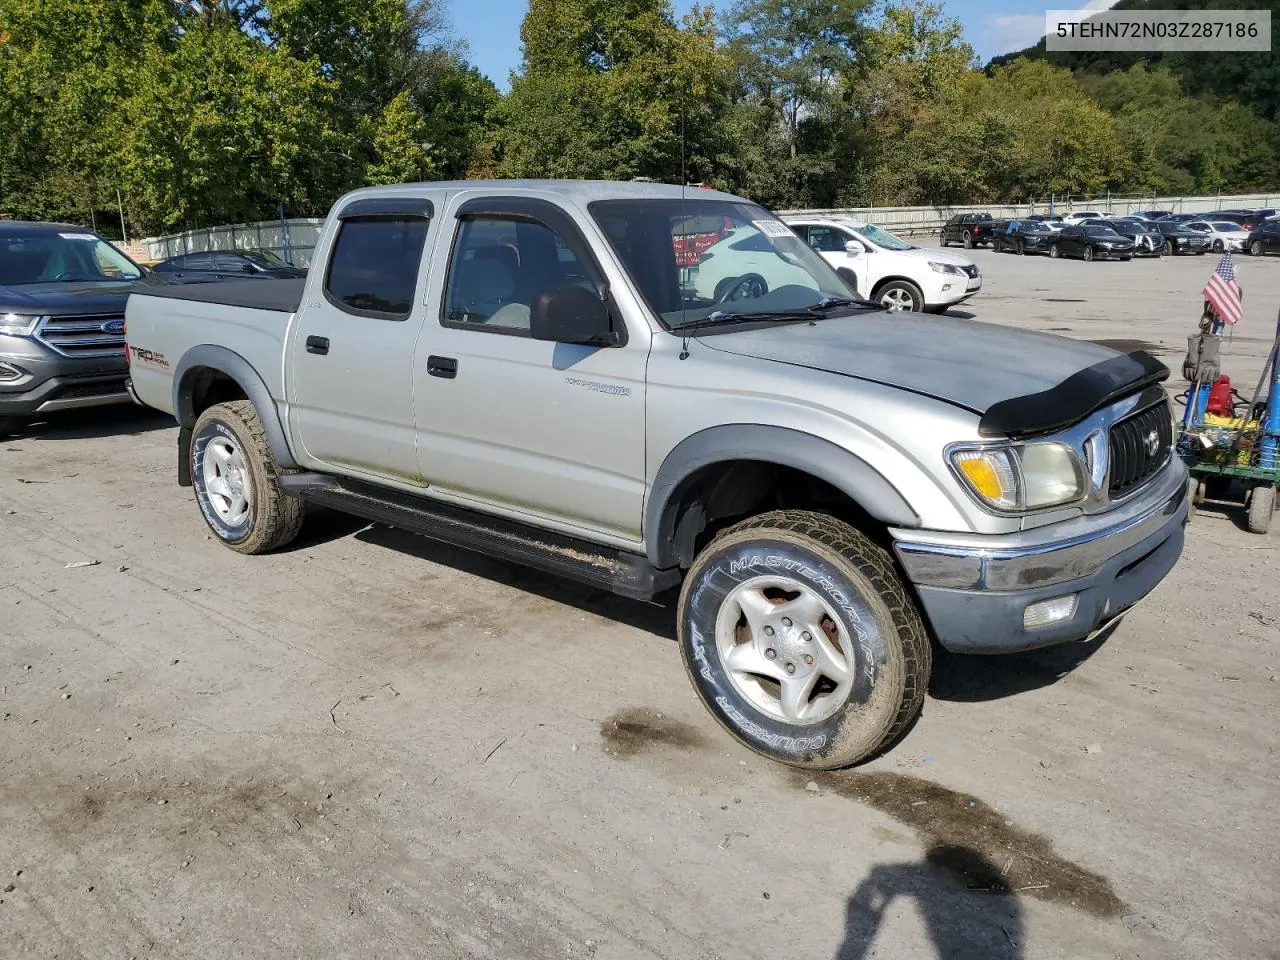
{"points": [[350, 355]]}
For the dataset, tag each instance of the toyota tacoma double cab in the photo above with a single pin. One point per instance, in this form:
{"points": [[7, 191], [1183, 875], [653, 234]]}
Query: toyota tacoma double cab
{"points": [[526, 368]]}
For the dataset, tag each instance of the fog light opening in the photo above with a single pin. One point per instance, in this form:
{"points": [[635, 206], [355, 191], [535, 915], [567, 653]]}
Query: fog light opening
{"points": [[9, 372], [1046, 613]]}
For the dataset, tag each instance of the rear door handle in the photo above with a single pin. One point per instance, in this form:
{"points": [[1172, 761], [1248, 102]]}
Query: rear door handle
{"points": [[446, 367], [318, 345]]}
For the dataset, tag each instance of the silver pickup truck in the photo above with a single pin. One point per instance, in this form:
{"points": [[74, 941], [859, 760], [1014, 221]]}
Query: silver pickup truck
{"points": [[535, 371]]}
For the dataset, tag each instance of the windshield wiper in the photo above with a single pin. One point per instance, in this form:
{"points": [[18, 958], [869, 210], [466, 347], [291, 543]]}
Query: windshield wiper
{"points": [[831, 303]]}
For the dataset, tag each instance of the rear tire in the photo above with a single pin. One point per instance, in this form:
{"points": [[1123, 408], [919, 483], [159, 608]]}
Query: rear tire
{"points": [[968, 240], [1255, 248], [236, 481], [1018, 248], [749, 602], [1054, 252], [1088, 253], [942, 239], [1217, 246], [1262, 504], [1168, 250]]}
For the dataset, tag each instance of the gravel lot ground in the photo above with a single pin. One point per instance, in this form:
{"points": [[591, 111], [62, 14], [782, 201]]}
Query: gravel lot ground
{"points": [[371, 745]]}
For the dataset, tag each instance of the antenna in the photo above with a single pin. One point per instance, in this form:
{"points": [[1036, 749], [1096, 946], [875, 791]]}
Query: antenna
{"points": [[684, 225]]}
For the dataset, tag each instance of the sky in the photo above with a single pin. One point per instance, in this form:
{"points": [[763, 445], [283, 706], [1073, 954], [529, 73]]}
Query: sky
{"points": [[491, 28]]}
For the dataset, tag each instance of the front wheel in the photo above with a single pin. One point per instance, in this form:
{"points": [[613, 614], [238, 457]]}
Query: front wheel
{"points": [[1262, 504], [1019, 249], [942, 239], [901, 296], [1088, 253], [802, 641], [1168, 248], [1217, 246], [236, 481], [1054, 252]]}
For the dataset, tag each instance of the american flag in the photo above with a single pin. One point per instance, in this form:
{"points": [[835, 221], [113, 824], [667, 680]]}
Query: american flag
{"points": [[1223, 292]]}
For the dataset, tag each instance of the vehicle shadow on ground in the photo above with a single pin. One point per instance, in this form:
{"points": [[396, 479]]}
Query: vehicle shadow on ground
{"points": [[93, 423], [968, 678], [957, 314], [957, 892], [656, 617]]}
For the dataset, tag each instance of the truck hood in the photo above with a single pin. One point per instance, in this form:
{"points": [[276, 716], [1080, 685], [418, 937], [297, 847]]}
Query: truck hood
{"points": [[65, 298], [972, 365]]}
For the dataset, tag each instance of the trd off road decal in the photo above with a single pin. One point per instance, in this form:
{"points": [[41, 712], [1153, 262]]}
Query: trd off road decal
{"points": [[148, 358]]}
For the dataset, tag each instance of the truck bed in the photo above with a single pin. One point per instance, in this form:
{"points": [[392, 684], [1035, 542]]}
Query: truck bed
{"points": [[284, 296]]}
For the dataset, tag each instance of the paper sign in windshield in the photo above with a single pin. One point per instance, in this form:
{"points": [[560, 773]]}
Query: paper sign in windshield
{"points": [[77, 236], [772, 228]]}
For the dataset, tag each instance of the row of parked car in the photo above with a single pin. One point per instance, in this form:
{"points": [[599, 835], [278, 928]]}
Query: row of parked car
{"points": [[1093, 235]]}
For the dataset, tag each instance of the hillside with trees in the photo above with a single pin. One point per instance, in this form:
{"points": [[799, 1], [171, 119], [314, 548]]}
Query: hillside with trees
{"points": [[212, 111]]}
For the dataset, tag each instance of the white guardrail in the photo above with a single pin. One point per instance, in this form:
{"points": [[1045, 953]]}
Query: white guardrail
{"points": [[297, 237]]}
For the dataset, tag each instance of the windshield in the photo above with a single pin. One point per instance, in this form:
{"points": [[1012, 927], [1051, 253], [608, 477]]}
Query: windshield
{"points": [[882, 238], [715, 260], [1101, 232], [1033, 226], [60, 257], [1225, 227], [265, 259]]}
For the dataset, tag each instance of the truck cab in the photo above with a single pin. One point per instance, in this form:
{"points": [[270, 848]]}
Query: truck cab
{"points": [[544, 371]]}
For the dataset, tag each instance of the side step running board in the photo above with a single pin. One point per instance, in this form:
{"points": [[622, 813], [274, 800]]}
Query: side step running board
{"points": [[626, 574]]}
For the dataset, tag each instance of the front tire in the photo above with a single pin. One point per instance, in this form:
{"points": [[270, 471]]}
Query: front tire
{"points": [[901, 296], [1217, 246], [1088, 253], [802, 641], [1054, 252], [236, 483], [11, 426], [942, 238], [1168, 248], [1019, 249], [1262, 504]]}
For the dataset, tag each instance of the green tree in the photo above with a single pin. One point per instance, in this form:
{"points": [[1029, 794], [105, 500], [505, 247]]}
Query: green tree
{"points": [[613, 89]]}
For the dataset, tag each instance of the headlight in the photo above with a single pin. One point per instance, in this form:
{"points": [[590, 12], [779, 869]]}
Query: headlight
{"points": [[1026, 477], [17, 324], [945, 268]]}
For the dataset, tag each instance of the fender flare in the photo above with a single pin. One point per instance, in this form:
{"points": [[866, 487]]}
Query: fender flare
{"points": [[782, 446], [239, 369]]}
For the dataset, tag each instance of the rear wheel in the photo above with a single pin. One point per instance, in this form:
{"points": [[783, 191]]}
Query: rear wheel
{"points": [[942, 239], [1217, 246], [901, 296], [236, 481], [1168, 248], [1054, 252], [968, 240], [802, 641], [1018, 248], [1262, 504], [1255, 248], [1088, 253]]}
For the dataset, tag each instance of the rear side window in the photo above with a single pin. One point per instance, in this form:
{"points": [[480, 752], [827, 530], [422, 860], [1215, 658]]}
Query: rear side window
{"points": [[373, 269]]}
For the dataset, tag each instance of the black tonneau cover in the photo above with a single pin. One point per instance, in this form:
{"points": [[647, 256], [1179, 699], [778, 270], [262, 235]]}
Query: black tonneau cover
{"points": [[284, 296]]}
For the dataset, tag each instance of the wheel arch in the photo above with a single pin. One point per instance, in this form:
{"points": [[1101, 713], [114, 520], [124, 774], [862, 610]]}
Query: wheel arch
{"points": [[725, 471], [209, 374], [895, 278]]}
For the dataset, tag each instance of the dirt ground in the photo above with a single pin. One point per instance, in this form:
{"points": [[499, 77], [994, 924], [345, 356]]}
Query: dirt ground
{"points": [[374, 746]]}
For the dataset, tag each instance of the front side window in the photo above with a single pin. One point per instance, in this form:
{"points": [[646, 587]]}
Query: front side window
{"points": [[373, 269], [826, 239], [751, 265], [499, 268]]}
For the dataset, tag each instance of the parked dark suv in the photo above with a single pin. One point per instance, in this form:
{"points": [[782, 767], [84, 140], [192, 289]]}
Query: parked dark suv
{"points": [[1265, 239], [1024, 236], [226, 265], [62, 295], [970, 229]]}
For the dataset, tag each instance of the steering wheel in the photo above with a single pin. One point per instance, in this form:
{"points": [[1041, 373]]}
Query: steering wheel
{"points": [[745, 288]]}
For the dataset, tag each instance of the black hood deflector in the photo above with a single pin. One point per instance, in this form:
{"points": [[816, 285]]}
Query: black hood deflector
{"points": [[1074, 398]]}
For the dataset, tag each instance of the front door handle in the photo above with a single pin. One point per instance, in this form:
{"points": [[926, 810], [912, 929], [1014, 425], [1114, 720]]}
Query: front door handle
{"points": [[446, 367], [318, 345]]}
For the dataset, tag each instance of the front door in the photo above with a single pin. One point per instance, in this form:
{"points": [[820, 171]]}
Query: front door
{"points": [[547, 430], [351, 353], [830, 242]]}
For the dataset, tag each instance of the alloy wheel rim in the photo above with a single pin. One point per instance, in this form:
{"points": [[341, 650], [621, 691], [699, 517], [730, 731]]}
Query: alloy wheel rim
{"points": [[784, 650], [226, 481]]}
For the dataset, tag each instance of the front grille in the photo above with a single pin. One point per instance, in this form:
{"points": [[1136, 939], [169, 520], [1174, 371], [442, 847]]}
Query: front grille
{"points": [[84, 334], [1134, 457]]}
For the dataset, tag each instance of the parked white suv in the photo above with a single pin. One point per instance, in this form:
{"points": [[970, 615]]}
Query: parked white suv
{"points": [[886, 268], [1079, 216]]}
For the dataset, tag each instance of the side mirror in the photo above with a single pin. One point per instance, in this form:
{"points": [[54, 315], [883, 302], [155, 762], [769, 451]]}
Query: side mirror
{"points": [[854, 247], [573, 315]]}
